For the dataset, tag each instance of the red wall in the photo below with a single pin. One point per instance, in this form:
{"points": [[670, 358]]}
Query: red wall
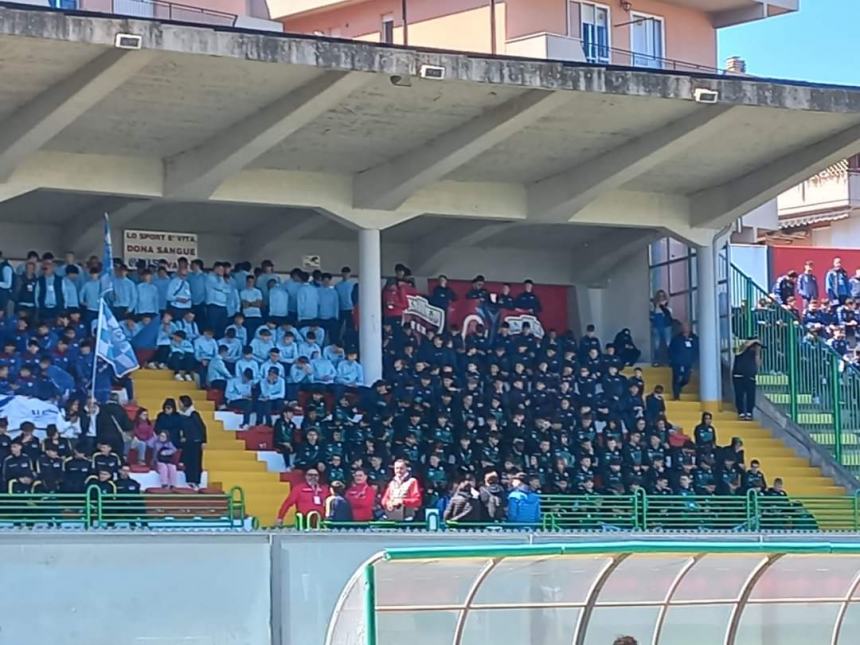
{"points": [[553, 299], [785, 258]]}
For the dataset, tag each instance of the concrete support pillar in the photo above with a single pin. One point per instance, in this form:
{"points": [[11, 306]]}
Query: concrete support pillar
{"points": [[708, 331], [370, 303]]}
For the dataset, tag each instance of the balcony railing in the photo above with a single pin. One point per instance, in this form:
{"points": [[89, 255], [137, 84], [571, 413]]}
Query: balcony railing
{"points": [[160, 9], [553, 46]]}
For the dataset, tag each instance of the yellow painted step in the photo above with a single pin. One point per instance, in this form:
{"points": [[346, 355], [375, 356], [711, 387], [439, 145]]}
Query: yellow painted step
{"points": [[153, 375], [230, 453], [221, 467], [256, 490], [255, 477]]}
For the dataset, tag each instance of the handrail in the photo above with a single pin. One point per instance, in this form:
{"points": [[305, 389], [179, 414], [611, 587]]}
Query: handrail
{"points": [[660, 62], [172, 11]]}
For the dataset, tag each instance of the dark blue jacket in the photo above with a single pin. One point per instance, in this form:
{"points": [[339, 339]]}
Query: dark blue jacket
{"points": [[338, 509], [684, 350], [528, 301]]}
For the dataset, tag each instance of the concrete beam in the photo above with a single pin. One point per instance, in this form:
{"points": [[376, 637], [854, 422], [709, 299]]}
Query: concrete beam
{"points": [[426, 255], [559, 198], [11, 191], [197, 173], [723, 205], [40, 120], [731, 17], [258, 243], [390, 184], [660, 211], [596, 261], [84, 232]]}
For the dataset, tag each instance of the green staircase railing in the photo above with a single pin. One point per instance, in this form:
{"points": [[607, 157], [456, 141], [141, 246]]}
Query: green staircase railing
{"points": [[800, 374]]}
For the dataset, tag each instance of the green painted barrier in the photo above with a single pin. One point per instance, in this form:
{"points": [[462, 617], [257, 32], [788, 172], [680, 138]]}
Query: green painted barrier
{"points": [[95, 509], [642, 512]]}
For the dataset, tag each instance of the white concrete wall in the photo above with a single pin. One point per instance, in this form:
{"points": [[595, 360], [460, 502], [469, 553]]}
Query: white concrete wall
{"points": [[104, 589], [820, 193], [765, 216], [118, 588], [17, 239], [624, 302], [844, 234], [752, 260]]}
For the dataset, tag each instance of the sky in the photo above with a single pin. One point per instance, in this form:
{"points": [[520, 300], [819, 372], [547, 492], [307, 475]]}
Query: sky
{"points": [[817, 43]]}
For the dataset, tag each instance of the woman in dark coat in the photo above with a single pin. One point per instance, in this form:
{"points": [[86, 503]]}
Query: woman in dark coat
{"points": [[169, 421], [744, 372], [193, 438]]}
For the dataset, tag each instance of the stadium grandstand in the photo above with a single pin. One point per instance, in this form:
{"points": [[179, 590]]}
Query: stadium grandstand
{"points": [[294, 319]]}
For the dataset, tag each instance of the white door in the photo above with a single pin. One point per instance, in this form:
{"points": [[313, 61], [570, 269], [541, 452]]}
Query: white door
{"points": [[646, 40]]}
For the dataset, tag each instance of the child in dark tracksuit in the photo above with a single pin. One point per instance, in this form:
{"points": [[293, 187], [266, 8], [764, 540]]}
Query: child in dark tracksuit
{"points": [[683, 352], [337, 506]]}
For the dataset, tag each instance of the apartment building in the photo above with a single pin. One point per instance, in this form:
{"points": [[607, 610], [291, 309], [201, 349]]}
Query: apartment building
{"points": [[673, 34], [822, 211]]}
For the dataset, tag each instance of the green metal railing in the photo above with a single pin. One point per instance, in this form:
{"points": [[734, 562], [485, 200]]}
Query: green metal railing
{"points": [[800, 374], [592, 512], [642, 512], [696, 512], [95, 509]]}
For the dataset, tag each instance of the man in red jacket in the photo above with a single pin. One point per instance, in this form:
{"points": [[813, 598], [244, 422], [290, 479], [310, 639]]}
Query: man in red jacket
{"points": [[306, 498], [361, 497], [402, 497]]}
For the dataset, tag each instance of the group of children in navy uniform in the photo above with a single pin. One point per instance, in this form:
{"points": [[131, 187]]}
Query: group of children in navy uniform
{"points": [[829, 313]]}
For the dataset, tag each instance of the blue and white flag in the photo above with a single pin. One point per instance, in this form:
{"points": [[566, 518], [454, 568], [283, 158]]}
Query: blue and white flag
{"points": [[112, 345], [107, 260]]}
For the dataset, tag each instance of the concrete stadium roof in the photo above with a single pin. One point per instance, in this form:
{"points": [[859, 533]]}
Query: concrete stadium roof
{"points": [[215, 116]]}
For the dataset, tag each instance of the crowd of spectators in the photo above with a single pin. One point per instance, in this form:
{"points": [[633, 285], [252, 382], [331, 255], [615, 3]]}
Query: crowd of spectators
{"points": [[829, 313], [480, 425], [47, 322], [476, 424]]}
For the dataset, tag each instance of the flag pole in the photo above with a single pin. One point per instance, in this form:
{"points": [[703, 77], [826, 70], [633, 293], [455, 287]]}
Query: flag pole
{"points": [[96, 348]]}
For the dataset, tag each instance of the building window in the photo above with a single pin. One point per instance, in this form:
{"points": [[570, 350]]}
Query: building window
{"points": [[646, 40], [673, 270], [386, 34], [594, 20]]}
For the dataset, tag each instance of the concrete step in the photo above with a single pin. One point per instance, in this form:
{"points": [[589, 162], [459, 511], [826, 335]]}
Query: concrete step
{"points": [[219, 468], [262, 477], [231, 452]]}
